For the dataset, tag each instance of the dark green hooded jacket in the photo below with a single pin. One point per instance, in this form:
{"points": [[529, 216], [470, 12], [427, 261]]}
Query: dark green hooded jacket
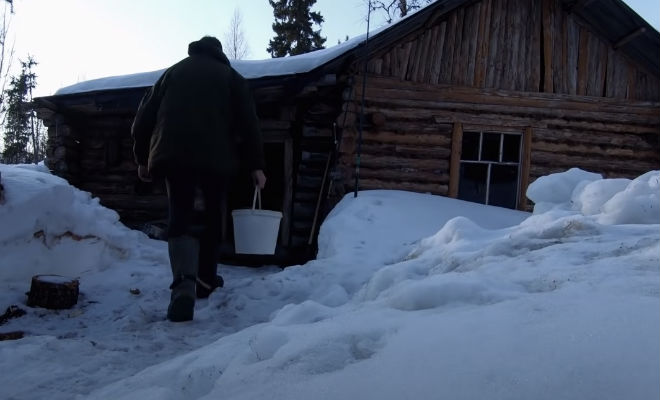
{"points": [[199, 116]]}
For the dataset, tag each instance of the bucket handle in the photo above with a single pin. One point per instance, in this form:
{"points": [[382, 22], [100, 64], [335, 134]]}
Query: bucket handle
{"points": [[257, 194]]}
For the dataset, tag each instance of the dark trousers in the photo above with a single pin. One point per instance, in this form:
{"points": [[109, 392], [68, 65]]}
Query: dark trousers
{"points": [[181, 191]]}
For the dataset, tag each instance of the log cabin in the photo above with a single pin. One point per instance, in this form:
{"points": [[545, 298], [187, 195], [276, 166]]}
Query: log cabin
{"points": [[471, 99]]}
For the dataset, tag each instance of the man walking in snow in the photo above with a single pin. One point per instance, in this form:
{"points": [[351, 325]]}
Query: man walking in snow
{"points": [[194, 128]]}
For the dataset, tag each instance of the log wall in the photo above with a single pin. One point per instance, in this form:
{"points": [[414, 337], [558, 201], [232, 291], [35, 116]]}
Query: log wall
{"points": [[518, 45], [411, 150]]}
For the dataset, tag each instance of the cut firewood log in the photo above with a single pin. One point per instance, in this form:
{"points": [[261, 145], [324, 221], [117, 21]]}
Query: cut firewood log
{"points": [[53, 292], [11, 336]]}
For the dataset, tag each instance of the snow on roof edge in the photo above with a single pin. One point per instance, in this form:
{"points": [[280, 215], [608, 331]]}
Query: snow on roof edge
{"points": [[250, 69]]}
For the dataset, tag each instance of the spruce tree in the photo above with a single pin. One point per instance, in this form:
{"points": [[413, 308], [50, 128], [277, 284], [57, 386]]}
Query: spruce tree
{"points": [[19, 116], [293, 28]]}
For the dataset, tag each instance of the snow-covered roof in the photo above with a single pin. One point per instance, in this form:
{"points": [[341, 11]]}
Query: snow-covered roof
{"points": [[250, 69], [640, 48]]}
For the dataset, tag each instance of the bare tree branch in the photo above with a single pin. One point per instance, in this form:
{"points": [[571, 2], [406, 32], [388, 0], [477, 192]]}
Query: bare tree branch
{"points": [[395, 9], [235, 45]]}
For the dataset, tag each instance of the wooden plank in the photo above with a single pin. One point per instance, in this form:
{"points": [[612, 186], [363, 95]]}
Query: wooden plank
{"points": [[518, 127], [513, 68], [455, 160], [425, 68], [494, 44], [547, 45], [420, 57], [414, 62], [405, 59], [523, 45], [439, 51], [387, 64], [472, 18], [557, 48], [287, 200], [448, 51], [564, 53], [632, 72], [432, 69], [483, 40], [572, 55], [594, 67], [534, 61], [602, 69], [583, 62], [501, 62], [525, 164], [457, 67]]}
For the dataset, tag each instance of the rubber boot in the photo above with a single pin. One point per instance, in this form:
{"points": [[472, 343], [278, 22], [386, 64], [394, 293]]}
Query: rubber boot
{"points": [[184, 259]]}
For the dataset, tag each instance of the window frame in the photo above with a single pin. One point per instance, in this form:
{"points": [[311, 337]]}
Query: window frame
{"points": [[524, 160]]}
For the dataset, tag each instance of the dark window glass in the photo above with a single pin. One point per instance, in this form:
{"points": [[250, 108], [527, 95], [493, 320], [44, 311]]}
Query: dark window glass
{"points": [[470, 149], [511, 148], [472, 183], [503, 185], [490, 148]]}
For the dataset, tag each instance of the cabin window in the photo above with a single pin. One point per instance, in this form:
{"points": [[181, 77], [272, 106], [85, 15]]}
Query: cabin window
{"points": [[490, 168]]}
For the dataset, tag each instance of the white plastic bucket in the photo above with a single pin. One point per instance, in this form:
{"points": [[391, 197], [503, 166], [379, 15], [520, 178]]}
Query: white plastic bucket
{"points": [[256, 230]]}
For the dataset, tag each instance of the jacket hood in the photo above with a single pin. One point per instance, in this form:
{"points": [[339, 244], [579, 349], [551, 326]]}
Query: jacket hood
{"points": [[208, 46]]}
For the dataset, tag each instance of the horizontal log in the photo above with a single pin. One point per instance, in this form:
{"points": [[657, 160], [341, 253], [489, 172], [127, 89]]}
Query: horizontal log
{"points": [[369, 161], [592, 164], [596, 137], [401, 107], [404, 175], [632, 155], [425, 91], [406, 151], [371, 184], [407, 138]]}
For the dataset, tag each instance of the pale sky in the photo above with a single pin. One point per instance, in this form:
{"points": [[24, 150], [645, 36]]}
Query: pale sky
{"points": [[77, 40]]}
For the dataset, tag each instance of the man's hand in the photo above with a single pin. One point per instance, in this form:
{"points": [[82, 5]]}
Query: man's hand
{"points": [[143, 173], [259, 178]]}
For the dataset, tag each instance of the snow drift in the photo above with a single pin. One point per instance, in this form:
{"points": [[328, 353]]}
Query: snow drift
{"points": [[411, 296]]}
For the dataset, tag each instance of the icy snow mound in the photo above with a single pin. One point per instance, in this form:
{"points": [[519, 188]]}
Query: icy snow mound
{"points": [[65, 231], [609, 201], [484, 294]]}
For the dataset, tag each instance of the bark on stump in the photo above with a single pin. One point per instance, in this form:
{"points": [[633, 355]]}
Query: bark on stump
{"points": [[53, 292]]}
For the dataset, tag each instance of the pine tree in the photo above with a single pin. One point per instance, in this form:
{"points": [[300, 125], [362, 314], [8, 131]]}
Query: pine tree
{"points": [[20, 127], [293, 28]]}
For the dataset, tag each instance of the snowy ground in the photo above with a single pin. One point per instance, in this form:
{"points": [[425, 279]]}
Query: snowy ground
{"points": [[411, 297]]}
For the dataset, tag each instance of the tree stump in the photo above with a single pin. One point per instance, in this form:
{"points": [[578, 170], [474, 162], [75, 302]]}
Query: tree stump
{"points": [[53, 292]]}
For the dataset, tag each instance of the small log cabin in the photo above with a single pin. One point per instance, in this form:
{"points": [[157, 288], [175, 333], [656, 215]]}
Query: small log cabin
{"points": [[472, 99]]}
